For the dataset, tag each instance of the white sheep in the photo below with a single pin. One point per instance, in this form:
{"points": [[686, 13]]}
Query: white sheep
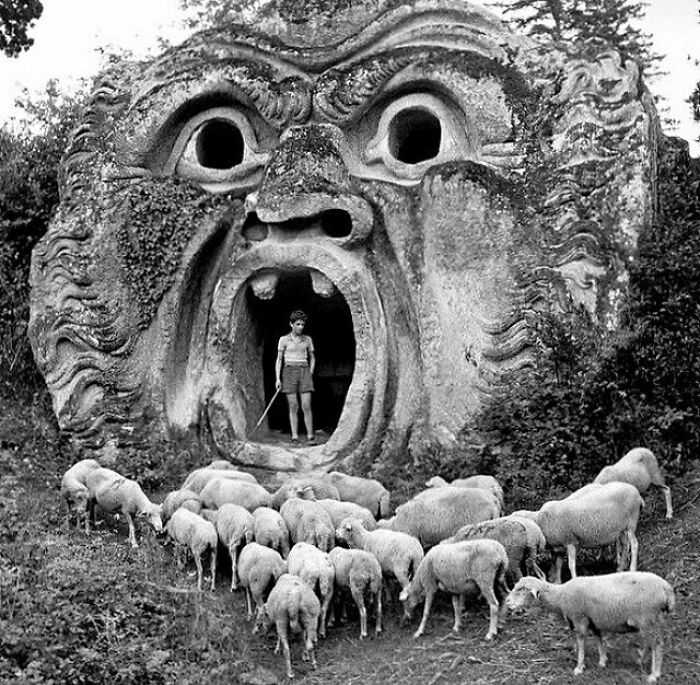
{"points": [[437, 513], [258, 569], [221, 491], [198, 535], [314, 485], [640, 468], [359, 572], [221, 464], [512, 534], [308, 521], [367, 492], [180, 498], [456, 568], [269, 529], [75, 493], [593, 517], [291, 605], [339, 511], [116, 494], [535, 541], [612, 603], [235, 528], [199, 478], [314, 567], [399, 554], [478, 481]]}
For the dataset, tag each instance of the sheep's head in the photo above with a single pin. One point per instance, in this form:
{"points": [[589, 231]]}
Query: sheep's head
{"points": [[80, 500], [435, 482], [525, 592], [307, 493], [348, 530], [153, 515], [262, 620], [411, 597]]}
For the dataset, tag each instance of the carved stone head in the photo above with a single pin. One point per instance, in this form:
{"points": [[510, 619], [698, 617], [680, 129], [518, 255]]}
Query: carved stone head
{"points": [[411, 174]]}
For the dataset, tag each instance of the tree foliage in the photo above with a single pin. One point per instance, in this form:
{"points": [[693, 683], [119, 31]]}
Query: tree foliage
{"points": [[611, 22], [29, 157], [16, 18]]}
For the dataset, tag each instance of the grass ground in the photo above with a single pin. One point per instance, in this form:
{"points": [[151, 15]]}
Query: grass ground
{"points": [[79, 609]]}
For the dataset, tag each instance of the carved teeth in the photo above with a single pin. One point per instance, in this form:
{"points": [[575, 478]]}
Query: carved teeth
{"points": [[264, 284], [321, 284]]}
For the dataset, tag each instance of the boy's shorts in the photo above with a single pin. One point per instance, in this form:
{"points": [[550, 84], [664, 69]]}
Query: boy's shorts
{"points": [[296, 379]]}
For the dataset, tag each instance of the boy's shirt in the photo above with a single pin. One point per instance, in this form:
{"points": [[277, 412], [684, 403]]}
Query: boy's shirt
{"points": [[295, 350]]}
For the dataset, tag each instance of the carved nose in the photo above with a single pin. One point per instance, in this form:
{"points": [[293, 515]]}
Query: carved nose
{"points": [[307, 179]]}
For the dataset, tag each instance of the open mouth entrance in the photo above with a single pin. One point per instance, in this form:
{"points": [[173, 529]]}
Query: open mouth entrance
{"points": [[330, 326]]}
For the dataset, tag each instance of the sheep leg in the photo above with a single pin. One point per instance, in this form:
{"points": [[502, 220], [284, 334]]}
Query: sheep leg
{"points": [[378, 609], [458, 608], [571, 553], [634, 547], [324, 611], [282, 639], [602, 654], [234, 576], [667, 497], [132, 529], [212, 566], [580, 654], [358, 596], [426, 611], [249, 601], [657, 656], [558, 564], [200, 570], [490, 597]]}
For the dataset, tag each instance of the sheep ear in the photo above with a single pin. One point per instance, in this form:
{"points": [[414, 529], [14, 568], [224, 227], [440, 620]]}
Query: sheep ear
{"points": [[404, 595], [535, 592]]}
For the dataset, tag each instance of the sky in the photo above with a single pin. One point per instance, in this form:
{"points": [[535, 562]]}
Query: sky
{"points": [[70, 34]]}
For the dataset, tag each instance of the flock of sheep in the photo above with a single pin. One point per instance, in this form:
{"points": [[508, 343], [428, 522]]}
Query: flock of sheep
{"points": [[327, 536]]}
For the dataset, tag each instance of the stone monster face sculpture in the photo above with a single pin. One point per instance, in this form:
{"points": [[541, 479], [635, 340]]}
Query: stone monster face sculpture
{"points": [[410, 173]]}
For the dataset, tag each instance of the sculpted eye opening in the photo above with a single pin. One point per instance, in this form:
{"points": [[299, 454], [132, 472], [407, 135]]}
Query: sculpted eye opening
{"points": [[414, 136], [219, 145]]}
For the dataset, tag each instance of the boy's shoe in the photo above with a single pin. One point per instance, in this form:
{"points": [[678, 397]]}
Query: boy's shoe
{"points": [[311, 441], [295, 441]]}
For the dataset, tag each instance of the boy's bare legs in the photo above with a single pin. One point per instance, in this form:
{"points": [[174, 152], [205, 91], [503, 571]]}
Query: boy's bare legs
{"points": [[293, 414], [308, 416]]}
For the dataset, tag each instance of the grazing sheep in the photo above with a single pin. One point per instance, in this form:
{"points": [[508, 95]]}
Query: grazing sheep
{"points": [[535, 541], [116, 494], [308, 521], [456, 568], [511, 533], [259, 567], [435, 514], [234, 526], [75, 493], [199, 478], [595, 517], [640, 468], [479, 481], [269, 529], [198, 535], [291, 605], [180, 498], [360, 573], [221, 491], [314, 567], [296, 487], [338, 511], [366, 492], [398, 554], [612, 603]]}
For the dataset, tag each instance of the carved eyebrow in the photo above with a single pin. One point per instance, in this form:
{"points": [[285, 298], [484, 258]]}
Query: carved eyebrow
{"points": [[276, 90], [345, 92]]}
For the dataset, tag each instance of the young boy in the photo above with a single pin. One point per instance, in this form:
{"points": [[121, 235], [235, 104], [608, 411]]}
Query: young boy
{"points": [[294, 369]]}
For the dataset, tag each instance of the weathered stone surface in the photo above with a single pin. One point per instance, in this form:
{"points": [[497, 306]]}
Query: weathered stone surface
{"points": [[414, 175]]}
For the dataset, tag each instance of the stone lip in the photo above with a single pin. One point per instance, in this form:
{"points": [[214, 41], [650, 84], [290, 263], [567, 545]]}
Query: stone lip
{"points": [[350, 276]]}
